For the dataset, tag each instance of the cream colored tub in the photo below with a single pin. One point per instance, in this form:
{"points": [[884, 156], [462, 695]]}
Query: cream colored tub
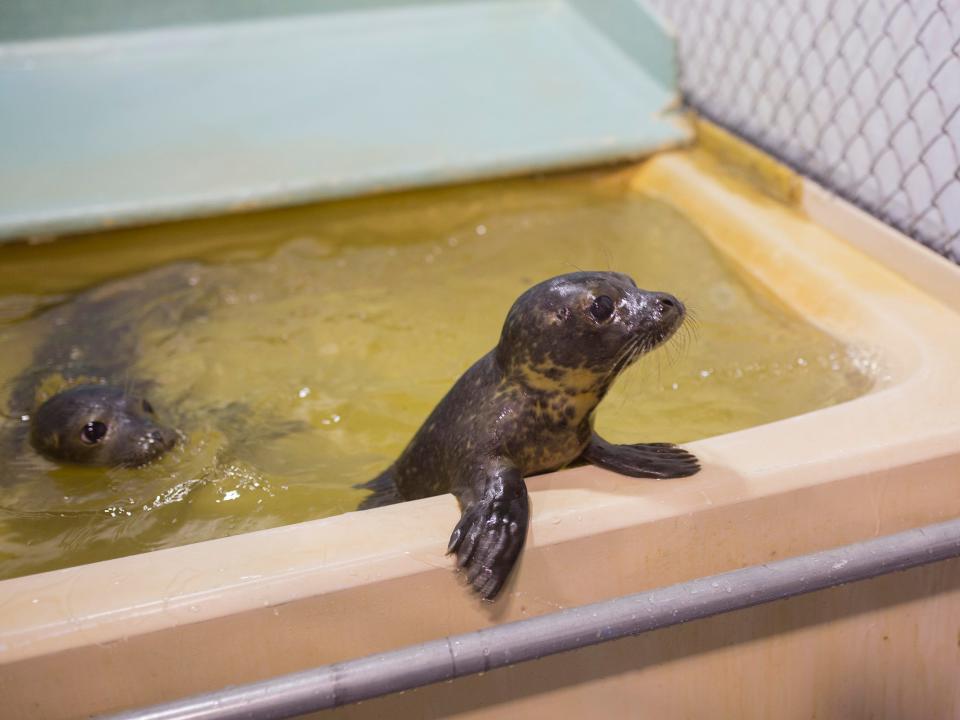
{"points": [[155, 627]]}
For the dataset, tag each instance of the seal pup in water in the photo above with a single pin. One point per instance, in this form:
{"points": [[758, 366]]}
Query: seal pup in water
{"points": [[78, 397], [527, 406], [101, 425]]}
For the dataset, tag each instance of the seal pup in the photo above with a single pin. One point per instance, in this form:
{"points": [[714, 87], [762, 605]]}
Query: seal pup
{"points": [[80, 402], [100, 425], [527, 407]]}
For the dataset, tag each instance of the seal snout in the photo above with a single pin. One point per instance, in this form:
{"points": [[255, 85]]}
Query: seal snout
{"points": [[670, 308], [153, 443], [661, 314], [163, 438]]}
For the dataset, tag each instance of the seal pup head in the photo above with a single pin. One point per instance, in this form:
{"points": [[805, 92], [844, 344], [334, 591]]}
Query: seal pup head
{"points": [[577, 332], [99, 425]]}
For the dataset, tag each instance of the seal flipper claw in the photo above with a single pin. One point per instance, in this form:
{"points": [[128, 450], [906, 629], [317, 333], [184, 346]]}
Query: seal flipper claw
{"points": [[490, 534], [653, 460]]}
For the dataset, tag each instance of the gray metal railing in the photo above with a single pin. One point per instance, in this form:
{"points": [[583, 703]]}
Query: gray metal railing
{"points": [[456, 656]]}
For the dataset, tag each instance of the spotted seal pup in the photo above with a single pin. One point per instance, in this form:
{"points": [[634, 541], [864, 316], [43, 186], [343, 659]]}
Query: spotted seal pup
{"points": [[101, 425], [527, 406], [80, 401]]}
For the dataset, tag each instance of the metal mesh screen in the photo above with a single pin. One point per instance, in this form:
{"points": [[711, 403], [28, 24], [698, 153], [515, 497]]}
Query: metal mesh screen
{"points": [[861, 95]]}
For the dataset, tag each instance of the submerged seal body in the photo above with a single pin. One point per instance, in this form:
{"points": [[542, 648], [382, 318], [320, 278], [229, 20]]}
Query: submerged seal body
{"points": [[527, 406]]}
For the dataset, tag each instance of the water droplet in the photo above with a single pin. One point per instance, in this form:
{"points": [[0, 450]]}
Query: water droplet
{"points": [[304, 392], [481, 230]]}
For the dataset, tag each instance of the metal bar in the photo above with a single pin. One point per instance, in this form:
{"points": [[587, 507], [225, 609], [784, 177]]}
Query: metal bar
{"points": [[455, 656]]}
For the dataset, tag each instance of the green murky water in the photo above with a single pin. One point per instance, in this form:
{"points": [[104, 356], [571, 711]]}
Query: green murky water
{"points": [[299, 350]]}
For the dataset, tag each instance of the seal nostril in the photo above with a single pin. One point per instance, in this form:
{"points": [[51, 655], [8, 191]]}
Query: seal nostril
{"points": [[668, 302]]}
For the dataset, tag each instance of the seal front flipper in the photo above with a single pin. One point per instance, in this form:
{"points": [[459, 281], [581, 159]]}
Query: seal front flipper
{"points": [[651, 460], [492, 529]]}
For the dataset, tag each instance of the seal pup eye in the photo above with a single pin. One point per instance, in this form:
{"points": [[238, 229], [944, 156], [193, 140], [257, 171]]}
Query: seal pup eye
{"points": [[93, 432], [602, 308], [147, 407]]}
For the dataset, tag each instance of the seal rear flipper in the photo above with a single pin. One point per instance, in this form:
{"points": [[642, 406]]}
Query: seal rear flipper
{"points": [[492, 530], [643, 460], [384, 491]]}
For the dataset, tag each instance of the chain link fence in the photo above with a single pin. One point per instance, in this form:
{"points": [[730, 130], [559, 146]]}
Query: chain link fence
{"points": [[863, 96]]}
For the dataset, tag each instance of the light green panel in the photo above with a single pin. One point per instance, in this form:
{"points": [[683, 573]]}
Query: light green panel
{"points": [[180, 109]]}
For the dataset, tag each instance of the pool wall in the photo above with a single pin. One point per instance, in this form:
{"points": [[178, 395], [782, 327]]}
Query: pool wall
{"points": [[146, 111]]}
